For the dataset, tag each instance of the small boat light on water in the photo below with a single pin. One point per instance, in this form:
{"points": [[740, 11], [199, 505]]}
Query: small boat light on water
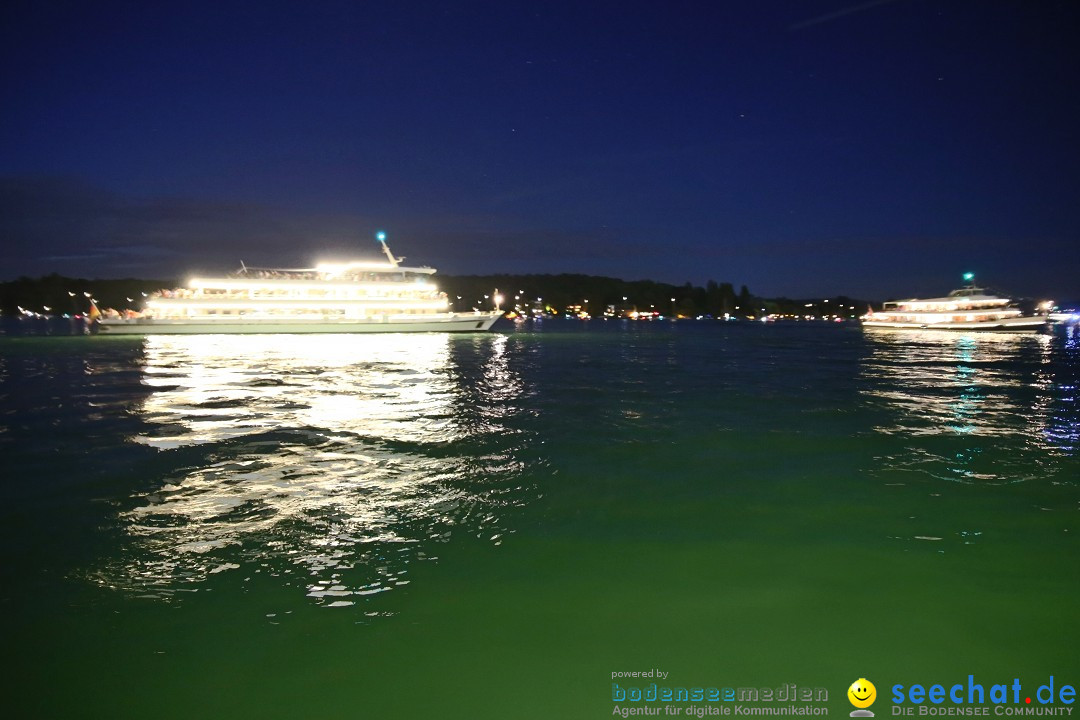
{"points": [[968, 276]]}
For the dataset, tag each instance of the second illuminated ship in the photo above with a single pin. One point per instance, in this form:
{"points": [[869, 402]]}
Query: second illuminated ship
{"points": [[970, 308]]}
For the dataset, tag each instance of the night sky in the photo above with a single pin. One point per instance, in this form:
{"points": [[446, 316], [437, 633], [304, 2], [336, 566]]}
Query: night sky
{"points": [[876, 149]]}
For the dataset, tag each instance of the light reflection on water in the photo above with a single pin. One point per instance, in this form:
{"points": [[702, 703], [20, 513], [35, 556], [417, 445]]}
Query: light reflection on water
{"points": [[974, 407], [210, 388], [330, 461]]}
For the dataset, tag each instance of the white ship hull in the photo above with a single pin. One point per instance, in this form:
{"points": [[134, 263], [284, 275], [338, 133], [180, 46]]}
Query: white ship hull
{"points": [[969, 309], [357, 296], [1015, 324], [447, 322]]}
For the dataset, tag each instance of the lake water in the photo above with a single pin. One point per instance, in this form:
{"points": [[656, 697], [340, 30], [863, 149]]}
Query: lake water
{"points": [[490, 526]]}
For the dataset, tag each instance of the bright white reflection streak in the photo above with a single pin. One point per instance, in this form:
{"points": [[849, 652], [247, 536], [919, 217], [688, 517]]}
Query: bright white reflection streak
{"points": [[219, 386], [959, 385], [321, 458]]}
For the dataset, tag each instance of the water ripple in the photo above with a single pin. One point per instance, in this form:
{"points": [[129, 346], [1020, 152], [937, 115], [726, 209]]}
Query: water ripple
{"points": [[972, 408], [334, 462]]}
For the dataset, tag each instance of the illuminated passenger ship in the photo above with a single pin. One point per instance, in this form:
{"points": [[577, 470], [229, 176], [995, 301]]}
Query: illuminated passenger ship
{"points": [[349, 297], [969, 308]]}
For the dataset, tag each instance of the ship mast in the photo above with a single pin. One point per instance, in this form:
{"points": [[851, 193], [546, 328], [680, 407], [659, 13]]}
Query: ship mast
{"points": [[381, 237]]}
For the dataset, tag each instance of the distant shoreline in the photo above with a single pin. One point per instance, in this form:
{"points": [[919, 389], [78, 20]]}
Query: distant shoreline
{"points": [[59, 295]]}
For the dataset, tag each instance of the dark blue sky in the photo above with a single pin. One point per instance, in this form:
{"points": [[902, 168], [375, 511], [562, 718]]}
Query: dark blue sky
{"points": [[873, 148]]}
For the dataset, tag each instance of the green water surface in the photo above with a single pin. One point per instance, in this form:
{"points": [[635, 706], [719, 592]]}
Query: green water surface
{"points": [[490, 526]]}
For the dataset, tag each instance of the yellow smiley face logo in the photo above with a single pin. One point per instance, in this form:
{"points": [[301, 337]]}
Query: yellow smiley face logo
{"points": [[862, 693]]}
